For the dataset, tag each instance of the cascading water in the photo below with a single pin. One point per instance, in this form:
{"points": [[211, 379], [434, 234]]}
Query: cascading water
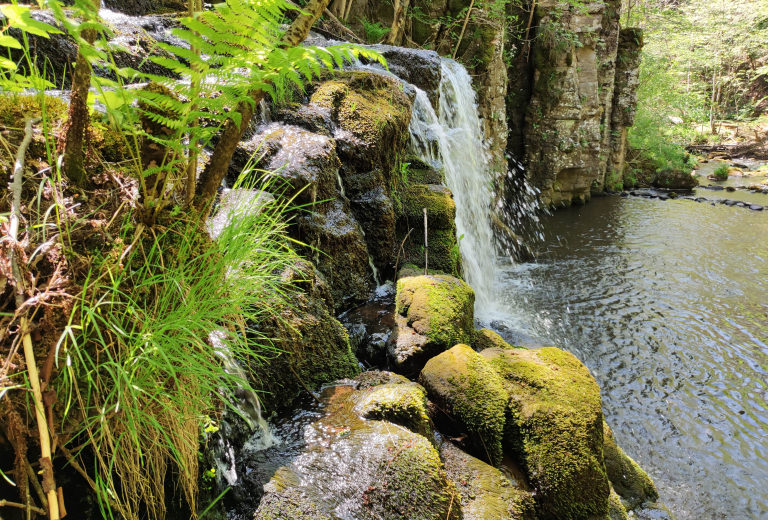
{"points": [[453, 141]]}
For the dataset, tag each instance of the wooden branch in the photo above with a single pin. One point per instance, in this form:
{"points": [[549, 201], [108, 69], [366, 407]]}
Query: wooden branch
{"points": [[6, 503], [463, 28], [216, 170], [49, 485]]}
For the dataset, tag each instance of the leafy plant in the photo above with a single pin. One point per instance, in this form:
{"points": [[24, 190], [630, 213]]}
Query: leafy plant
{"points": [[721, 173], [374, 31]]}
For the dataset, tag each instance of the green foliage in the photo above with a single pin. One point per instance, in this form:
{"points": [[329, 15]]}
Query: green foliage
{"points": [[139, 370], [374, 31], [18, 17], [721, 173]]}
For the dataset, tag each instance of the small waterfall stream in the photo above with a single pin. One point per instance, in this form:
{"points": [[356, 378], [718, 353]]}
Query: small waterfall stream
{"points": [[453, 141]]}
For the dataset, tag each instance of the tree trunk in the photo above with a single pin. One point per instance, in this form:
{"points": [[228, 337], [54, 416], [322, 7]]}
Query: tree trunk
{"points": [[398, 21], [78, 120], [214, 173]]}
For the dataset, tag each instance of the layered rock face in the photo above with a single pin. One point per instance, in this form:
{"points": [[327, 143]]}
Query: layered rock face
{"points": [[582, 99]]}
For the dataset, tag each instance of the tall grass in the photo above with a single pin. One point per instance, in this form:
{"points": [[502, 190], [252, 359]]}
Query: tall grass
{"points": [[139, 373]]}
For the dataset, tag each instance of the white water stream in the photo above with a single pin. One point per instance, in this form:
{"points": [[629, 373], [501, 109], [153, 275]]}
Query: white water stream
{"points": [[453, 141]]}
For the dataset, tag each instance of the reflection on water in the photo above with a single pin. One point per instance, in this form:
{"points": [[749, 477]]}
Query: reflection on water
{"points": [[667, 303]]}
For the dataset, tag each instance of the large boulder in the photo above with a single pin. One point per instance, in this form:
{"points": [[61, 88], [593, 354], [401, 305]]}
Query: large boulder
{"points": [[364, 469], [628, 479], [464, 385], [554, 427], [416, 66], [432, 313], [304, 332], [485, 493]]}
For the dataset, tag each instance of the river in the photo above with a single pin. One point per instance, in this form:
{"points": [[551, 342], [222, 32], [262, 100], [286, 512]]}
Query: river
{"points": [[667, 303]]}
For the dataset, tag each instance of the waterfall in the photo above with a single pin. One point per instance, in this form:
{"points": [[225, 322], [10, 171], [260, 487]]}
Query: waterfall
{"points": [[453, 142]]}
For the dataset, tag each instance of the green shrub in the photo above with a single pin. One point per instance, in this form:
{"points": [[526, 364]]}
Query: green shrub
{"points": [[374, 31], [721, 173]]}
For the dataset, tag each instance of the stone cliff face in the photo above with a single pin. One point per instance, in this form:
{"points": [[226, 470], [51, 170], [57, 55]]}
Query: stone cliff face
{"points": [[556, 87], [582, 99]]}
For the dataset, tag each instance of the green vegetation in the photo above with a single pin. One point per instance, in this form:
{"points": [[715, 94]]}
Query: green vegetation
{"points": [[374, 31], [703, 62], [721, 173]]}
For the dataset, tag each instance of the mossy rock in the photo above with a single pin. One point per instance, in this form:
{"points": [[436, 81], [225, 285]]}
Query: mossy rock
{"points": [[486, 338], [376, 113], [313, 347], [436, 198], [464, 385], [433, 313], [554, 427], [399, 403], [364, 469], [371, 378], [443, 250], [616, 510], [628, 479], [485, 493]]}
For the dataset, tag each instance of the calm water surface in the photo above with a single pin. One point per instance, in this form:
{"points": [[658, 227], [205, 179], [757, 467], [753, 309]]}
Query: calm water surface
{"points": [[667, 303]]}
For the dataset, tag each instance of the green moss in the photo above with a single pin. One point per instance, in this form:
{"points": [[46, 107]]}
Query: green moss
{"points": [[486, 338], [464, 385], [485, 493], [439, 307], [554, 427], [628, 478], [616, 510], [412, 485], [400, 403], [438, 201], [283, 501], [442, 248]]}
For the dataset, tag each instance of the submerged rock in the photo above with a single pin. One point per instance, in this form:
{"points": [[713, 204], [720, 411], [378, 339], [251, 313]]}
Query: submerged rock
{"points": [[554, 426], [485, 493], [628, 479], [464, 385], [432, 314], [364, 469]]}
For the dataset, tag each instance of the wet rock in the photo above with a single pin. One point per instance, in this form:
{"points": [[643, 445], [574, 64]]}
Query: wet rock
{"points": [[370, 327], [464, 386], [311, 117], [432, 314], [338, 249], [756, 207], [236, 203], [485, 493], [304, 332], [370, 115], [627, 478], [441, 213], [371, 378], [416, 66], [399, 403], [364, 469], [554, 426], [306, 161], [142, 7]]}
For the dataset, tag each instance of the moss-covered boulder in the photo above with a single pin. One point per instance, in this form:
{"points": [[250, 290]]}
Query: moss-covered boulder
{"points": [[628, 479], [364, 469], [370, 116], [463, 384], [486, 338], [312, 346], [400, 403], [432, 313], [554, 427], [485, 493], [442, 245]]}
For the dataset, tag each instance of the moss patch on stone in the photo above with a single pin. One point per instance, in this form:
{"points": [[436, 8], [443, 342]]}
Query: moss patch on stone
{"points": [[485, 493], [628, 478], [439, 307], [616, 510], [313, 347], [400, 403], [486, 338], [464, 385], [554, 427]]}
